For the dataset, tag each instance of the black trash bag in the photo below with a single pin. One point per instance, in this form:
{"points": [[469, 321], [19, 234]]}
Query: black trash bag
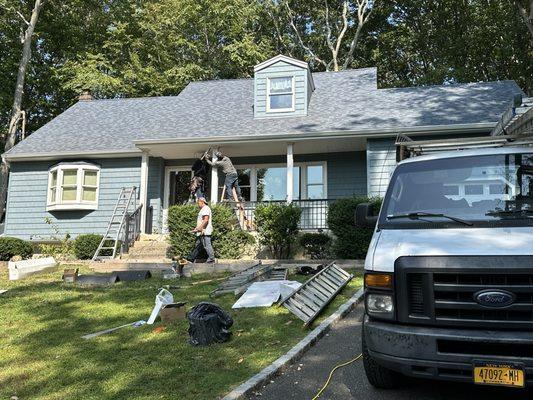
{"points": [[208, 323]]}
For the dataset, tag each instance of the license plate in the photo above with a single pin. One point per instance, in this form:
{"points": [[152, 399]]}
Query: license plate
{"points": [[499, 374]]}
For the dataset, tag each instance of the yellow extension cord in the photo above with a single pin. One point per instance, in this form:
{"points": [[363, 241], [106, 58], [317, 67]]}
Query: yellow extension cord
{"points": [[331, 374]]}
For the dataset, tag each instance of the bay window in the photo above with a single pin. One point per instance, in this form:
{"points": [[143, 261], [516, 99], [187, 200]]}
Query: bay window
{"points": [[73, 186]]}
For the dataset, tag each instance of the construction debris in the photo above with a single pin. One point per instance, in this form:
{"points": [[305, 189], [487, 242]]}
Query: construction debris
{"points": [[23, 269], [128, 276], [172, 312], [164, 297], [97, 280], [314, 295], [266, 293], [70, 275], [134, 324], [236, 282], [277, 275]]}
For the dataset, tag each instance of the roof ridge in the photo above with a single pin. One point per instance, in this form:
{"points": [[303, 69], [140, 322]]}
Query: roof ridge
{"points": [[131, 98]]}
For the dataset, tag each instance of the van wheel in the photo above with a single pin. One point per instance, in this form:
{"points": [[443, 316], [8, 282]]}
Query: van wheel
{"points": [[378, 376]]}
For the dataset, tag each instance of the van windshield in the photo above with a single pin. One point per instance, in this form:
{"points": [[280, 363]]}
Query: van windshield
{"points": [[483, 190]]}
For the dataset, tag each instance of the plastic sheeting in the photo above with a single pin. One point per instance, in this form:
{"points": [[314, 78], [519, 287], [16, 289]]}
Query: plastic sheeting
{"points": [[264, 294]]}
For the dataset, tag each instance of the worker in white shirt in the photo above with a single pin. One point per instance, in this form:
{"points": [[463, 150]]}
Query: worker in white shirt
{"points": [[203, 230]]}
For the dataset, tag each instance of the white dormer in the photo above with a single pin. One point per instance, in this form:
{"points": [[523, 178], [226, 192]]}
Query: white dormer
{"points": [[282, 87]]}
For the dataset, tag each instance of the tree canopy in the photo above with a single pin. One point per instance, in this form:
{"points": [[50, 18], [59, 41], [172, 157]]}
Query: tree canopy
{"points": [[125, 48]]}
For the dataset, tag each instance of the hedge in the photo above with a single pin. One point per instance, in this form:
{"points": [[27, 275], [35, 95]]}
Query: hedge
{"points": [[350, 241], [277, 225], [229, 241], [10, 247], [316, 245], [85, 246]]}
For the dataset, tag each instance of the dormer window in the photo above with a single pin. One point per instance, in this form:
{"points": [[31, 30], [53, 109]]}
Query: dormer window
{"points": [[280, 94]]}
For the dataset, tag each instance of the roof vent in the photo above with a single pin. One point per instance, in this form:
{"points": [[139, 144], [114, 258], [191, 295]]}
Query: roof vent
{"points": [[85, 95]]}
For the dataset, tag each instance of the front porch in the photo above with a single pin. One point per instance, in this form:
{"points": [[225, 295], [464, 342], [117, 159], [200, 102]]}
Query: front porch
{"points": [[310, 173]]}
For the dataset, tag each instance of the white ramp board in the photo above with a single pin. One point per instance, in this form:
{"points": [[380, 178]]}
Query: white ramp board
{"points": [[23, 269], [266, 293]]}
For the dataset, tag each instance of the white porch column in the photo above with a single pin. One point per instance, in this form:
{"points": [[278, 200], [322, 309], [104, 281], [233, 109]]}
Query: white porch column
{"points": [[214, 181], [290, 177], [144, 190]]}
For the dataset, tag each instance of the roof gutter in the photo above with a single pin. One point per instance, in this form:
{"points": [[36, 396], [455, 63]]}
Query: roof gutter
{"points": [[301, 136], [66, 155]]}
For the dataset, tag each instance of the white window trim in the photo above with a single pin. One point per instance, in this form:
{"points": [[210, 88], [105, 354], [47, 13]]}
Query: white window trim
{"points": [[293, 93], [79, 203], [303, 176]]}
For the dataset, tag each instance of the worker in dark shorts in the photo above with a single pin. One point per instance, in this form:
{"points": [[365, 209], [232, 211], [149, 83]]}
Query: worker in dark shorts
{"points": [[231, 179]]}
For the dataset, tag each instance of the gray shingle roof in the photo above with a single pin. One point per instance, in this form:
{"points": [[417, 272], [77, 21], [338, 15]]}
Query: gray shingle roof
{"points": [[342, 101]]}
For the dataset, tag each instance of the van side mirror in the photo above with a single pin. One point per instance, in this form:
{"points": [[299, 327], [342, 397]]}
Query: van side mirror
{"points": [[364, 216]]}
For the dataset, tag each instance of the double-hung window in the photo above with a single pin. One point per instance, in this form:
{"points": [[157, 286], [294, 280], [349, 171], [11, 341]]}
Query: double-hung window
{"points": [[73, 186], [280, 94]]}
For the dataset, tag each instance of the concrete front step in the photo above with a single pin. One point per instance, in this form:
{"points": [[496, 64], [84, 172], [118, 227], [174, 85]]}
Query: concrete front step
{"points": [[154, 237]]}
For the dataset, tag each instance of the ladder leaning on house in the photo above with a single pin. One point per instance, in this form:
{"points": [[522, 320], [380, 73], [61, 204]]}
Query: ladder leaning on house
{"points": [[128, 195]]}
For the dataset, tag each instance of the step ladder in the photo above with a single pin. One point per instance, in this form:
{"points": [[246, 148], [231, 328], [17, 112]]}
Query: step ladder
{"points": [[244, 222], [313, 296], [126, 198]]}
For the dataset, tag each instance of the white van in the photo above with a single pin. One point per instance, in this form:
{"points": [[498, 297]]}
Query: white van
{"points": [[449, 271]]}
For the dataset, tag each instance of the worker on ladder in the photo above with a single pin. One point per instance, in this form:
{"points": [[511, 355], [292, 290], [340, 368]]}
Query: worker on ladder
{"points": [[231, 178]]}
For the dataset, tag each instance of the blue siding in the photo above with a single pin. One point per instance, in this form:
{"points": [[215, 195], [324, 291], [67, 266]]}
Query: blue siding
{"points": [[381, 160], [156, 175], [281, 69], [26, 208]]}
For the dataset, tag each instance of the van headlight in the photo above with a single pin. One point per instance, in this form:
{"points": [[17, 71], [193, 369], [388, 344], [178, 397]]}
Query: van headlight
{"points": [[379, 304], [379, 295]]}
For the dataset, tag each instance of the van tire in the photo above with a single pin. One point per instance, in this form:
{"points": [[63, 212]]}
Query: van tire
{"points": [[377, 375]]}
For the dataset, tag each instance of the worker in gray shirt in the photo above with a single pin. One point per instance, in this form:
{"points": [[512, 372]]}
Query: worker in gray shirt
{"points": [[231, 181]]}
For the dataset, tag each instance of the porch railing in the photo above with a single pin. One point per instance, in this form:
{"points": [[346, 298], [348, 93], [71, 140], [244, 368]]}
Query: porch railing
{"points": [[132, 229], [314, 212]]}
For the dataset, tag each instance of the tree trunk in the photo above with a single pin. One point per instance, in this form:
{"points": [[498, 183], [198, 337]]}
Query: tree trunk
{"points": [[16, 111], [526, 16]]}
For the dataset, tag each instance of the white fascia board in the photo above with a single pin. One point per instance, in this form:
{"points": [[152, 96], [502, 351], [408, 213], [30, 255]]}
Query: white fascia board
{"points": [[70, 155], [281, 57], [363, 133]]}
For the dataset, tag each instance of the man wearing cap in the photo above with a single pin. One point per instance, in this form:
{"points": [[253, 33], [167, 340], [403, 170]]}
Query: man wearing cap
{"points": [[203, 230], [231, 180]]}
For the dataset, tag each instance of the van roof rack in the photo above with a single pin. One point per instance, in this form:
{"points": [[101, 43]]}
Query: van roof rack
{"points": [[407, 147]]}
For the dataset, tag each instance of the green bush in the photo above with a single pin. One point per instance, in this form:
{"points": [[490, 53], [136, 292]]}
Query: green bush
{"points": [[277, 225], [316, 245], [350, 241], [85, 246], [229, 241], [10, 247]]}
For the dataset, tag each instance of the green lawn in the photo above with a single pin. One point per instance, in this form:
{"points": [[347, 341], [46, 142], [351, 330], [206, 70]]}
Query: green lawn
{"points": [[43, 356]]}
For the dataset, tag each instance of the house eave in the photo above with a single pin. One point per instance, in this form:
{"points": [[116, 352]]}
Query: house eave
{"points": [[300, 136], [70, 155]]}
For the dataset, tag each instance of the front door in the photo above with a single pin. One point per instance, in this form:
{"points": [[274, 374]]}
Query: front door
{"points": [[177, 180]]}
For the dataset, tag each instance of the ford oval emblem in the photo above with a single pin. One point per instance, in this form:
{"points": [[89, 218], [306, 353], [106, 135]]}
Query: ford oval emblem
{"points": [[494, 298]]}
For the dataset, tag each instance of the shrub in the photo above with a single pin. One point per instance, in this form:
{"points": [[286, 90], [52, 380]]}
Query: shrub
{"points": [[316, 245], [350, 241], [85, 246], [10, 246], [229, 241], [277, 225]]}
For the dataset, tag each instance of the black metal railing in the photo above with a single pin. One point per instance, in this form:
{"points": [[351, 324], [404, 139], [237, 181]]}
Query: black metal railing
{"points": [[132, 229], [314, 212]]}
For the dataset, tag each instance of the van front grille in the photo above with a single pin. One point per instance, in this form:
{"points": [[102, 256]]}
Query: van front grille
{"points": [[438, 293]]}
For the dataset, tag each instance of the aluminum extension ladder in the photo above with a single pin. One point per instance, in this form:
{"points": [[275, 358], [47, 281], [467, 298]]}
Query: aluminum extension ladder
{"points": [[128, 195], [313, 296]]}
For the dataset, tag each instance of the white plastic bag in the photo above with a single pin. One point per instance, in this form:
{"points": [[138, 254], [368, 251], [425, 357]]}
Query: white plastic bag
{"points": [[163, 297]]}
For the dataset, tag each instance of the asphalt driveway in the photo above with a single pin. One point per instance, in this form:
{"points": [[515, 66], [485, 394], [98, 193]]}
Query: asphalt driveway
{"points": [[303, 379]]}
